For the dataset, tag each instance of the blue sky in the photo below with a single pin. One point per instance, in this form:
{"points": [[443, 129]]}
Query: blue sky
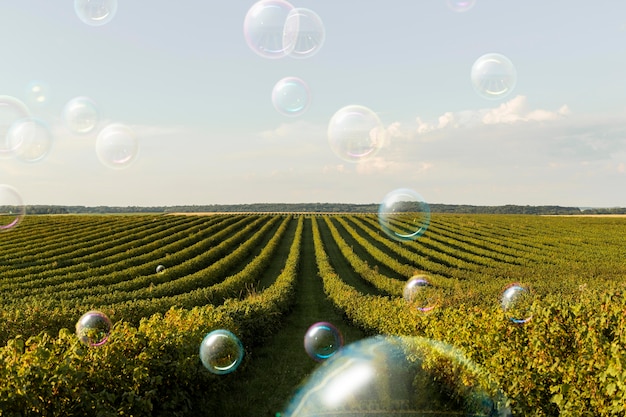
{"points": [[199, 100]]}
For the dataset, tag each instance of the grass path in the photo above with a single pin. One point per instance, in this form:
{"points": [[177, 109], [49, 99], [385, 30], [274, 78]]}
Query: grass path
{"points": [[276, 368]]}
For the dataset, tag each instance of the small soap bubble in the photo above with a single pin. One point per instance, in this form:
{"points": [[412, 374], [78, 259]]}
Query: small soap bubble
{"points": [[493, 76], [267, 31], [12, 209], [11, 110], [81, 115], [30, 139], [95, 12], [460, 5], [291, 96], [393, 375], [221, 352], [305, 30], [93, 328], [420, 293], [117, 146], [404, 215], [355, 133], [322, 340], [516, 301], [160, 269], [37, 93]]}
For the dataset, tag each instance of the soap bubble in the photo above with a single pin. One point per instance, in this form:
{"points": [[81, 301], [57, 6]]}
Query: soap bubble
{"points": [[160, 269], [221, 352], [95, 12], [30, 139], [117, 146], [322, 340], [37, 93], [290, 96], [460, 5], [306, 31], [394, 375], [267, 31], [12, 208], [80, 115], [493, 76], [418, 292], [11, 110], [516, 301], [93, 328], [355, 133], [404, 215]]}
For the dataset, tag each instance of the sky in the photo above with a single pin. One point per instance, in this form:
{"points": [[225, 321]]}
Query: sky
{"points": [[183, 80]]}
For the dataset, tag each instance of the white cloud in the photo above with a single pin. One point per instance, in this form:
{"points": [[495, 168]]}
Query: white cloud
{"points": [[515, 110]]}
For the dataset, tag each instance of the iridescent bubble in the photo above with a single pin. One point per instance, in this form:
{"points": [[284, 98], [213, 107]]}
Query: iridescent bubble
{"points": [[404, 215], [267, 31], [30, 139], [516, 301], [117, 146], [160, 269], [37, 93], [355, 133], [12, 208], [81, 115], [95, 12], [11, 110], [221, 352], [291, 96], [391, 375], [493, 76], [322, 340], [305, 30], [93, 328], [420, 293], [460, 5]]}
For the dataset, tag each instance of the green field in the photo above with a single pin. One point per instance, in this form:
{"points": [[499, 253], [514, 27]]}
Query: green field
{"points": [[267, 278]]}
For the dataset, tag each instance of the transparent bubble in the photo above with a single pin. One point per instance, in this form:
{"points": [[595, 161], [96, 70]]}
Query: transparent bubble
{"points": [[355, 133], [305, 30], [404, 215], [460, 5], [398, 376], [267, 31], [81, 115], [12, 209], [291, 96], [221, 352], [11, 110], [117, 146], [93, 328], [160, 269], [516, 301], [37, 93], [420, 293], [493, 76], [30, 139], [95, 12], [322, 340]]}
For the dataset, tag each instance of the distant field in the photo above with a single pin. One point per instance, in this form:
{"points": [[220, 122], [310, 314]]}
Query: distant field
{"points": [[260, 274]]}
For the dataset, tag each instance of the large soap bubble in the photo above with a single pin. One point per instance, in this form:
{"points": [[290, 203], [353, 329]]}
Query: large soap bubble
{"points": [[221, 352], [267, 31], [12, 209], [30, 139], [355, 133], [493, 76], [11, 110], [117, 146], [81, 115], [399, 376], [404, 214], [95, 12]]}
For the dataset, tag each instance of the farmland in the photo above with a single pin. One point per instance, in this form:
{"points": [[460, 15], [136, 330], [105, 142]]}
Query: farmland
{"points": [[267, 277]]}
